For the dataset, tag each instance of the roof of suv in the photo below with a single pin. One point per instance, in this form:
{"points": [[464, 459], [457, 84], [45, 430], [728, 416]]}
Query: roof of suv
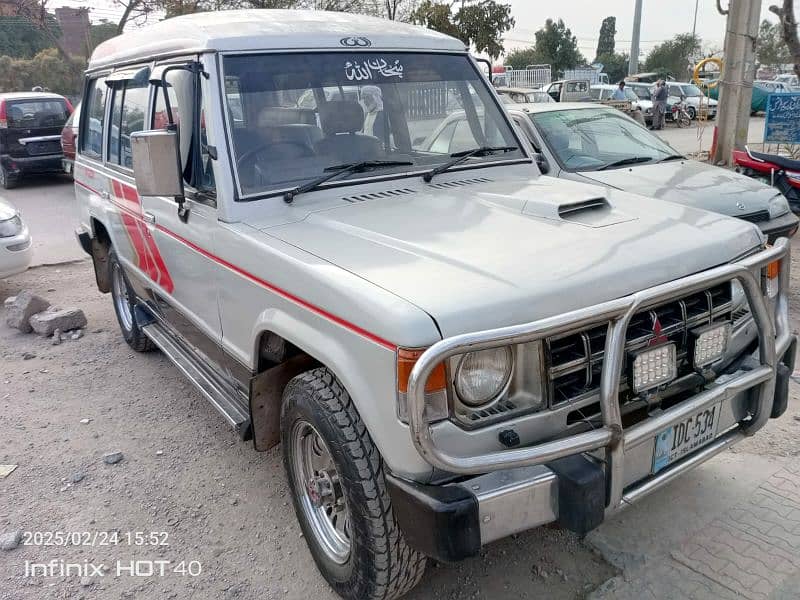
{"points": [[30, 96], [236, 30]]}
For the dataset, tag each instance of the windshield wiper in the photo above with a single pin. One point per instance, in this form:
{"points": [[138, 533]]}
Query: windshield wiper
{"points": [[626, 161], [672, 157], [337, 170], [459, 157]]}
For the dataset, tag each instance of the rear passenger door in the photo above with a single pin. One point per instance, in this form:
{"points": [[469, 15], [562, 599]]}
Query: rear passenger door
{"points": [[184, 273]]}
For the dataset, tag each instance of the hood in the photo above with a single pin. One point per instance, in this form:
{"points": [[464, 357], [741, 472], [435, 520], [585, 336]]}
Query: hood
{"points": [[7, 210], [691, 183], [488, 254]]}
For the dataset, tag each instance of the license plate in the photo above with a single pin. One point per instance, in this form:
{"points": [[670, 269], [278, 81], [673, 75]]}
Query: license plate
{"points": [[685, 437]]}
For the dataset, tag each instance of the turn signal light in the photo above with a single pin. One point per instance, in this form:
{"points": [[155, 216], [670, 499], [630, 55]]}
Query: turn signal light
{"points": [[406, 359], [773, 271]]}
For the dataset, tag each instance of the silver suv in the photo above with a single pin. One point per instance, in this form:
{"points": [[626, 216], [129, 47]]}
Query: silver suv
{"points": [[448, 347]]}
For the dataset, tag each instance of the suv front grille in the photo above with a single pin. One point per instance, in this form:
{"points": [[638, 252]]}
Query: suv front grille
{"points": [[575, 360]]}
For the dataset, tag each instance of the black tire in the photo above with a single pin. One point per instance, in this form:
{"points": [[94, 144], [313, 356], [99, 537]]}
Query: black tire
{"points": [[7, 181], [380, 564], [131, 331]]}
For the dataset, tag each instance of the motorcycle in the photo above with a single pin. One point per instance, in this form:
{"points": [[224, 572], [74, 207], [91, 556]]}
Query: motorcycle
{"points": [[780, 172], [680, 115]]}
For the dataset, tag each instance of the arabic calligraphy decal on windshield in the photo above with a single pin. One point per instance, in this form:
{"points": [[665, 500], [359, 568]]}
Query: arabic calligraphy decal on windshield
{"points": [[366, 70]]}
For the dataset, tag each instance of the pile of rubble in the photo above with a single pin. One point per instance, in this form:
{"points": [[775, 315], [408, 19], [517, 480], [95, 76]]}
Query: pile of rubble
{"points": [[31, 313]]}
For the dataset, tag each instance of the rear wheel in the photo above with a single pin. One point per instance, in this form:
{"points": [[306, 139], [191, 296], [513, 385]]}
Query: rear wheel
{"points": [[124, 298], [8, 181], [339, 493], [684, 120]]}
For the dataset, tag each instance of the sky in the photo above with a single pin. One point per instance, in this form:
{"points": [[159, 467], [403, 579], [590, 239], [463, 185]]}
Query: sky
{"points": [[661, 20]]}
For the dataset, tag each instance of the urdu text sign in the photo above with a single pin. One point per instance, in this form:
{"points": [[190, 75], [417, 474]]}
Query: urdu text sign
{"points": [[783, 119]]}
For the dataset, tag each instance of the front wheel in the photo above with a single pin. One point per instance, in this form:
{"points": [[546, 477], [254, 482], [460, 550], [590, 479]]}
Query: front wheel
{"points": [[339, 493], [684, 120], [692, 113]]}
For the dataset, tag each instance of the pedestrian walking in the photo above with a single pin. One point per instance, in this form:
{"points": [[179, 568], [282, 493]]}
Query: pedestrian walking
{"points": [[660, 95]]}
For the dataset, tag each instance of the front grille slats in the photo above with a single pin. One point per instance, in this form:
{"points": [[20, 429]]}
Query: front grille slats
{"points": [[575, 360]]}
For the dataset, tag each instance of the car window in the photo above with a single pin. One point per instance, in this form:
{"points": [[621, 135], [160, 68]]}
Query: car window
{"points": [[592, 138], [577, 86], [128, 109], [91, 136], [306, 113], [595, 94], [31, 114]]}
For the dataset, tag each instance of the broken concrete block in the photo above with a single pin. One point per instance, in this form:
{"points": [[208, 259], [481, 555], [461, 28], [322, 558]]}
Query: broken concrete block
{"points": [[45, 323], [25, 305]]}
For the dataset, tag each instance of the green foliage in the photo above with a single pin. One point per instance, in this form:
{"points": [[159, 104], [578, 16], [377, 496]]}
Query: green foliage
{"points": [[479, 23], [673, 57], [19, 38], [100, 32], [47, 69], [616, 65], [555, 45], [606, 42], [522, 57], [772, 49]]}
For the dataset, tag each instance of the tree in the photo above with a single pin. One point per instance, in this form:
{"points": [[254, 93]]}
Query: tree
{"points": [[555, 45], [522, 57], [99, 33], [35, 14], [674, 56], [606, 43], [479, 23], [771, 50], [788, 24], [615, 65], [19, 38]]}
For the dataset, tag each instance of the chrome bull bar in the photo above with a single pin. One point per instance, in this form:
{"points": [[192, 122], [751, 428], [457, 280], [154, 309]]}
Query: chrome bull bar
{"points": [[618, 313]]}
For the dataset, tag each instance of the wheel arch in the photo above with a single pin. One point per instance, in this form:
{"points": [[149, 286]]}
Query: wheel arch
{"points": [[101, 245]]}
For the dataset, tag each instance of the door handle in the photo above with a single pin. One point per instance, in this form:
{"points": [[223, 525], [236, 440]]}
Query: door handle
{"points": [[149, 218]]}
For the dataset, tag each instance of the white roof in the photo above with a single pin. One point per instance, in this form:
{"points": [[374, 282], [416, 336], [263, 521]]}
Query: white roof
{"points": [[233, 30], [537, 107]]}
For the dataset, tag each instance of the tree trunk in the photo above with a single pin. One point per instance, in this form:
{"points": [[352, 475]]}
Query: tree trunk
{"points": [[789, 28], [125, 16]]}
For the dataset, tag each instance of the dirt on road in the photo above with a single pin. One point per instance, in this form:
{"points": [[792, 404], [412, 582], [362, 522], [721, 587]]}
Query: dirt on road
{"points": [[212, 502]]}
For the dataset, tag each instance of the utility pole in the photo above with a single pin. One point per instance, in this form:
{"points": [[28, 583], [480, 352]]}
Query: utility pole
{"points": [[633, 63], [694, 24], [736, 83]]}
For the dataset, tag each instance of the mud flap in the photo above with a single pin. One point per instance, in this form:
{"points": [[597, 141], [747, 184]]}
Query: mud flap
{"points": [[266, 395]]}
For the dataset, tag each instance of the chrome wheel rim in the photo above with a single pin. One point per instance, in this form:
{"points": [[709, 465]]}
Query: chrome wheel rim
{"points": [[121, 300], [321, 497]]}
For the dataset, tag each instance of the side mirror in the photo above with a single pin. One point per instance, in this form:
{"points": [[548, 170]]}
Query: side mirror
{"points": [[156, 164], [541, 162]]}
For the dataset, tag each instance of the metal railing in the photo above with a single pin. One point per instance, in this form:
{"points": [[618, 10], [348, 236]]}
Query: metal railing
{"points": [[618, 314]]}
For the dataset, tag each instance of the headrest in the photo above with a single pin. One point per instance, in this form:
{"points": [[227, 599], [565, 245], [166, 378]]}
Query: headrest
{"points": [[341, 116], [275, 116]]}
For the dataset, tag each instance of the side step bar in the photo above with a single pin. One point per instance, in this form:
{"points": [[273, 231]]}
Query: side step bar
{"points": [[222, 396]]}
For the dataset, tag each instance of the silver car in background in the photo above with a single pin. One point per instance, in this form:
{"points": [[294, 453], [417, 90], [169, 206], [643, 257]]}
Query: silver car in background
{"points": [[16, 248]]}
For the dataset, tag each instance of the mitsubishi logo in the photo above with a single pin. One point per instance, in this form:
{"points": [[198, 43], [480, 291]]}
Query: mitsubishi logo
{"points": [[658, 336], [740, 205], [355, 42]]}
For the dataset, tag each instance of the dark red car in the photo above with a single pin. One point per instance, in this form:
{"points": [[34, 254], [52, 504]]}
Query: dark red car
{"points": [[69, 137], [30, 127]]}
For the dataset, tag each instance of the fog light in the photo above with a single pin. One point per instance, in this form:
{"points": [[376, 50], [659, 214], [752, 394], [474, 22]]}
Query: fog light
{"points": [[653, 367], [710, 344]]}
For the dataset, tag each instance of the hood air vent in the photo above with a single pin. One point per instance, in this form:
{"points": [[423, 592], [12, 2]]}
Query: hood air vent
{"points": [[570, 211], [461, 182], [376, 195]]}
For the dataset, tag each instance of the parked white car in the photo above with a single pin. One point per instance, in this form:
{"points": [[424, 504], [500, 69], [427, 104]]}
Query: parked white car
{"points": [[605, 93], [448, 347], [15, 241]]}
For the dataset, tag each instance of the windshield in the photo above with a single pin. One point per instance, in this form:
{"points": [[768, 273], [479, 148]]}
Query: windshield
{"points": [[631, 95], [642, 93], [36, 113], [593, 138], [294, 116], [692, 91]]}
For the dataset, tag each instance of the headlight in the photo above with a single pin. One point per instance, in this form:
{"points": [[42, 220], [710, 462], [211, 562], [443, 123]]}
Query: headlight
{"points": [[481, 377], [10, 227], [778, 206], [738, 298]]}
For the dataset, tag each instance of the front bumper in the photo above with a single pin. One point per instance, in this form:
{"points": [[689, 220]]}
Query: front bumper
{"points": [[783, 226], [580, 479]]}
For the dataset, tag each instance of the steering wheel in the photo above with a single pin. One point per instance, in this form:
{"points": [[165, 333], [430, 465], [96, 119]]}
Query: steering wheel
{"points": [[250, 155]]}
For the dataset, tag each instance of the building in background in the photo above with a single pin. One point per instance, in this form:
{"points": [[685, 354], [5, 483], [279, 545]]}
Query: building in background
{"points": [[74, 25]]}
